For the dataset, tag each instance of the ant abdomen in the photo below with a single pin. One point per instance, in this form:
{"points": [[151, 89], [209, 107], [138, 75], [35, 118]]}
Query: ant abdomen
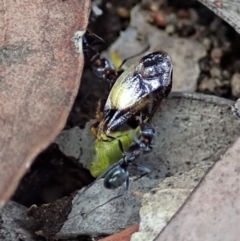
{"points": [[116, 178]]}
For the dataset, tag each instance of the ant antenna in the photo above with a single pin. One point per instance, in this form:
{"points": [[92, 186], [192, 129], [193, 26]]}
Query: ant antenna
{"points": [[84, 215], [114, 166], [133, 56]]}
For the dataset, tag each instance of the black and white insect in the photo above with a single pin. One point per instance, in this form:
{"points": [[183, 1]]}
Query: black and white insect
{"points": [[123, 130]]}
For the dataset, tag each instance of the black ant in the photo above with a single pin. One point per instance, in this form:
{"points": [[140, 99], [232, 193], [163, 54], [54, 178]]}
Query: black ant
{"points": [[102, 67], [117, 174]]}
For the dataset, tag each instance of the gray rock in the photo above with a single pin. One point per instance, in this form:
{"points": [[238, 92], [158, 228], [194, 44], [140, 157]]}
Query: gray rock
{"points": [[236, 108], [77, 143], [192, 131], [69, 142], [14, 224], [162, 202]]}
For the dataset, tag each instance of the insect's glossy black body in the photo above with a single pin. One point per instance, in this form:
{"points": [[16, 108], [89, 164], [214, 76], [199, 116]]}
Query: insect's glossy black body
{"points": [[138, 92]]}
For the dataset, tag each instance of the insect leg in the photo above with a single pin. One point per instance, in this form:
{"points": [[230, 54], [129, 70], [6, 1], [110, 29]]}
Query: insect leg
{"points": [[94, 128], [90, 40], [113, 198], [147, 136], [91, 184], [133, 56], [144, 169], [99, 109]]}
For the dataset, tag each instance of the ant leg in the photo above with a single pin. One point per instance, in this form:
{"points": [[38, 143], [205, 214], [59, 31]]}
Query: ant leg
{"points": [[98, 116], [99, 109], [121, 146], [144, 142], [133, 56], [99, 177], [94, 129], [147, 131], [144, 169], [90, 40], [147, 136], [110, 200], [84, 215]]}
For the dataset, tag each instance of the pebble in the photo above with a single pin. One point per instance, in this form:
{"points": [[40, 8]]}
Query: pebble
{"points": [[193, 15], [183, 14], [150, 6], [215, 72], [159, 19], [236, 108], [207, 85], [235, 85], [170, 29], [171, 18], [225, 74], [206, 42], [123, 12], [216, 55]]}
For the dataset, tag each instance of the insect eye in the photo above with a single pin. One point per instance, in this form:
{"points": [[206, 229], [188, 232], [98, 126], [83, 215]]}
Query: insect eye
{"points": [[155, 64]]}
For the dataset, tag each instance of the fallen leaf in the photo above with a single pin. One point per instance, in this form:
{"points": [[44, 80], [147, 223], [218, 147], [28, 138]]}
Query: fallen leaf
{"points": [[122, 236], [40, 69]]}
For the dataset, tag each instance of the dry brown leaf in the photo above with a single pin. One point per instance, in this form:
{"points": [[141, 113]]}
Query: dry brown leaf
{"points": [[125, 235], [40, 72]]}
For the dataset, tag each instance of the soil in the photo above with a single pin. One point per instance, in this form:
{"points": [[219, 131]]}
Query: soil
{"points": [[54, 175]]}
